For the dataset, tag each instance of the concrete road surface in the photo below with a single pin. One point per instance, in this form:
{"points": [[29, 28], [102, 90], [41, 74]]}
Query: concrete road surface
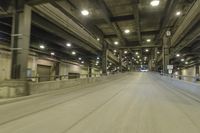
{"points": [[136, 103]]}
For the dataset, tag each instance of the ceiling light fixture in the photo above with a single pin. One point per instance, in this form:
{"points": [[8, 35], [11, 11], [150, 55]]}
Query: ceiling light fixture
{"points": [[125, 52], [79, 58], [178, 13], [116, 42], [177, 55], [73, 53], [158, 52], [85, 12], [136, 53], [52, 53], [186, 62], [127, 31], [68, 44], [115, 51], [147, 50], [148, 40], [82, 62], [155, 3], [182, 60], [42, 46], [98, 39]]}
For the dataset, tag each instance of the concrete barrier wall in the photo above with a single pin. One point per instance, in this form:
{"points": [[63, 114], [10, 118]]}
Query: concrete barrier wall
{"points": [[186, 86], [36, 88], [11, 89]]}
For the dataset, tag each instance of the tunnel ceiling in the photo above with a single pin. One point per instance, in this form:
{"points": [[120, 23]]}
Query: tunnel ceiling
{"points": [[131, 23]]}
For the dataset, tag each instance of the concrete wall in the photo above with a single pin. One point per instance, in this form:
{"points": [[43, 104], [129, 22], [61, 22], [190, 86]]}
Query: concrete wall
{"points": [[5, 65], [41, 87], [187, 72], [65, 68], [11, 89]]}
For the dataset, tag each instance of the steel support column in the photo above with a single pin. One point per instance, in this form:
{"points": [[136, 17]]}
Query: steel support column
{"points": [[197, 72], [57, 70], [90, 70], [120, 60], [104, 58], [20, 39], [166, 53]]}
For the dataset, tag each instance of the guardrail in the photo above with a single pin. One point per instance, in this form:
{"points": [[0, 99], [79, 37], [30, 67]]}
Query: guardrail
{"points": [[184, 77]]}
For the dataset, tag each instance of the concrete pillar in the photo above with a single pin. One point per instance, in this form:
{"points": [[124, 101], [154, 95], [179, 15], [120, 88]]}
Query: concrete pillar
{"points": [[90, 70], [57, 70], [20, 42], [104, 58], [120, 60], [166, 44], [197, 72], [155, 53], [180, 74]]}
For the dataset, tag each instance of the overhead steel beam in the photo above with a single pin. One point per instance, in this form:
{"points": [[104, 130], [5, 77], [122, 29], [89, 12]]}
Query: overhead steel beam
{"points": [[122, 18], [143, 33], [89, 26], [169, 10], [107, 15], [139, 47], [4, 4], [37, 2], [52, 28], [192, 18], [189, 39], [137, 18]]}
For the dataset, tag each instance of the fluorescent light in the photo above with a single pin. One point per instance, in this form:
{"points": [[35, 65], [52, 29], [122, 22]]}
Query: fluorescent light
{"points": [[147, 50], [85, 12], [148, 40], [178, 13], [52, 53], [42, 46], [155, 2], [158, 52], [127, 31], [68, 44], [138, 56], [73, 53], [177, 55], [82, 62], [79, 58], [125, 52], [136, 53], [116, 42], [98, 39], [115, 51], [98, 58], [186, 62], [182, 60]]}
